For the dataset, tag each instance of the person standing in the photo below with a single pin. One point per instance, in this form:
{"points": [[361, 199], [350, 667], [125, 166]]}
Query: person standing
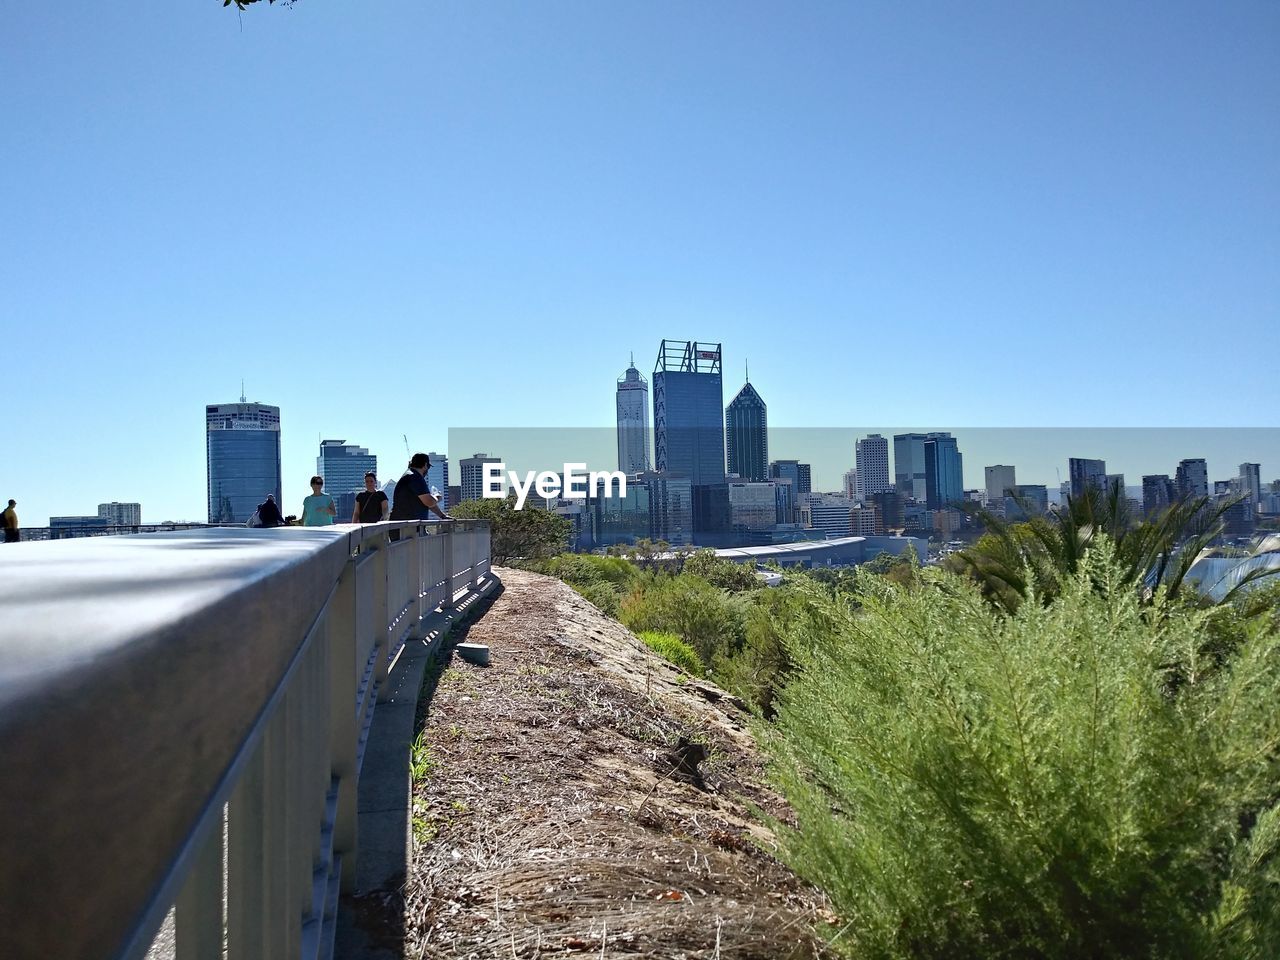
{"points": [[318, 510], [269, 512], [372, 504], [412, 499], [11, 523]]}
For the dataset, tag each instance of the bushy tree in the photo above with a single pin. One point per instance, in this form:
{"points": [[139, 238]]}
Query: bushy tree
{"points": [[725, 574], [517, 534], [973, 784]]}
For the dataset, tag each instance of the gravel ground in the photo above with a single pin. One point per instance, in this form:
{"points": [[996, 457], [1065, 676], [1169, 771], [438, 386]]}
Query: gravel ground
{"points": [[580, 796]]}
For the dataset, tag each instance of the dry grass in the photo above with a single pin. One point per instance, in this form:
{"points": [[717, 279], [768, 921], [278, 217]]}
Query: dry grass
{"points": [[553, 818]]}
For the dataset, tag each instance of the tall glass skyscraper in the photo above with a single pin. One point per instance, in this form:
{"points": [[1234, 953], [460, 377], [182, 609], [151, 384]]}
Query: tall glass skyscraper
{"points": [[242, 452], [1085, 474], [343, 466], [943, 471], [908, 465], [633, 422], [688, 428], [746, 434]]}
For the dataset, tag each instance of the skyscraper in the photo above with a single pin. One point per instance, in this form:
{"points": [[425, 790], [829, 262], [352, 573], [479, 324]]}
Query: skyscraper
{"points": [[633, 421], [1192, 478], [798, 473], [1158, 492], [438, 478], [1251, 483], [343, 466], [746, 425], [871, 457], [908, 465], [472, 479], [943, 471], [242, 454], [120, 514], [1085, 474], [1000, 480], [688, 428]]}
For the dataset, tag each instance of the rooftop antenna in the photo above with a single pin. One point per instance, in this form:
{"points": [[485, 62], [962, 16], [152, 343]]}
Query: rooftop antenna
{"points": [[746, 365], [405, 437], [242, 399], [633, 358]]}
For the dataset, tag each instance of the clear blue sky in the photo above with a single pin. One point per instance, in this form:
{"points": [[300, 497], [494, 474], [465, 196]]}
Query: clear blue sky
{"points": [[400, 217]]}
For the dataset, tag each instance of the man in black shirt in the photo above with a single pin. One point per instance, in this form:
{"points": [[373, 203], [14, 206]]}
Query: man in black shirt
{"points": [[371, 503], [412, 499], [269, 512]]}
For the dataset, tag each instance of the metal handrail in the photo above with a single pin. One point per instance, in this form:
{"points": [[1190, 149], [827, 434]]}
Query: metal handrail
{"points": [[182, 722]]}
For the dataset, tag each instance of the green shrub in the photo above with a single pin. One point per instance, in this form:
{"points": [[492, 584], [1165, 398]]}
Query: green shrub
{"points": [[968, 784], [606, 596], [580, 569], [725, 574], [757, 670], [674, 650], [705, 617]]}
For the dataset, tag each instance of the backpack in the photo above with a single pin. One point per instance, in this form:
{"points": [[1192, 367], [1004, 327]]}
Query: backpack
{"points": [[254, 520]]}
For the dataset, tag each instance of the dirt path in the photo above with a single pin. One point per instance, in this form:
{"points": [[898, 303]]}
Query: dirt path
{"points": [[553, 816]]}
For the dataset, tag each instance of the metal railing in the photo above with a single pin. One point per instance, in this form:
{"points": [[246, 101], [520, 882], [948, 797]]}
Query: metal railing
{"points": [[182, 725]]}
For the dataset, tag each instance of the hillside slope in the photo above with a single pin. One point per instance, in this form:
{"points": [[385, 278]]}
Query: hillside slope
{"points": [[556, 814]]}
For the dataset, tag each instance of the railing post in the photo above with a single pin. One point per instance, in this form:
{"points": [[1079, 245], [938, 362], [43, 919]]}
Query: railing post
{"points": [[450, 536], [345, 714], [198, 913]]}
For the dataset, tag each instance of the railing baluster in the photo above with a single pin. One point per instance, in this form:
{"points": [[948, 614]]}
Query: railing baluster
{"points": [[198, 917], [246, 867]]}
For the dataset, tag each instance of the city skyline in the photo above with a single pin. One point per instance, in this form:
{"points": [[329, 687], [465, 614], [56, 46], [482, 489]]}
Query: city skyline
{"points": [[899, 214]]}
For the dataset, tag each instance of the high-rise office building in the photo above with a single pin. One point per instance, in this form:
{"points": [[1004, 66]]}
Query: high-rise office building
{"points": [[670, 507], [1001, 479], [621, 518], [242, 455], [1086, 474], [753, 505], [1158, 492], [1027, 500], [1251, 483], [343, 466], [908, 465], [688, 412], [633, 421], [1192, 478], [438, 478], [688, 429], [471, 481], [746, 434], [943, 471], [120, 514], [871, 459], [798, 473], [851, 484]]}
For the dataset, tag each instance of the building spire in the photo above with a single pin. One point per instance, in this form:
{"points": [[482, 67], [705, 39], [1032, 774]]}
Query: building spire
{"points": [[242, 399], [747, 367]]}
